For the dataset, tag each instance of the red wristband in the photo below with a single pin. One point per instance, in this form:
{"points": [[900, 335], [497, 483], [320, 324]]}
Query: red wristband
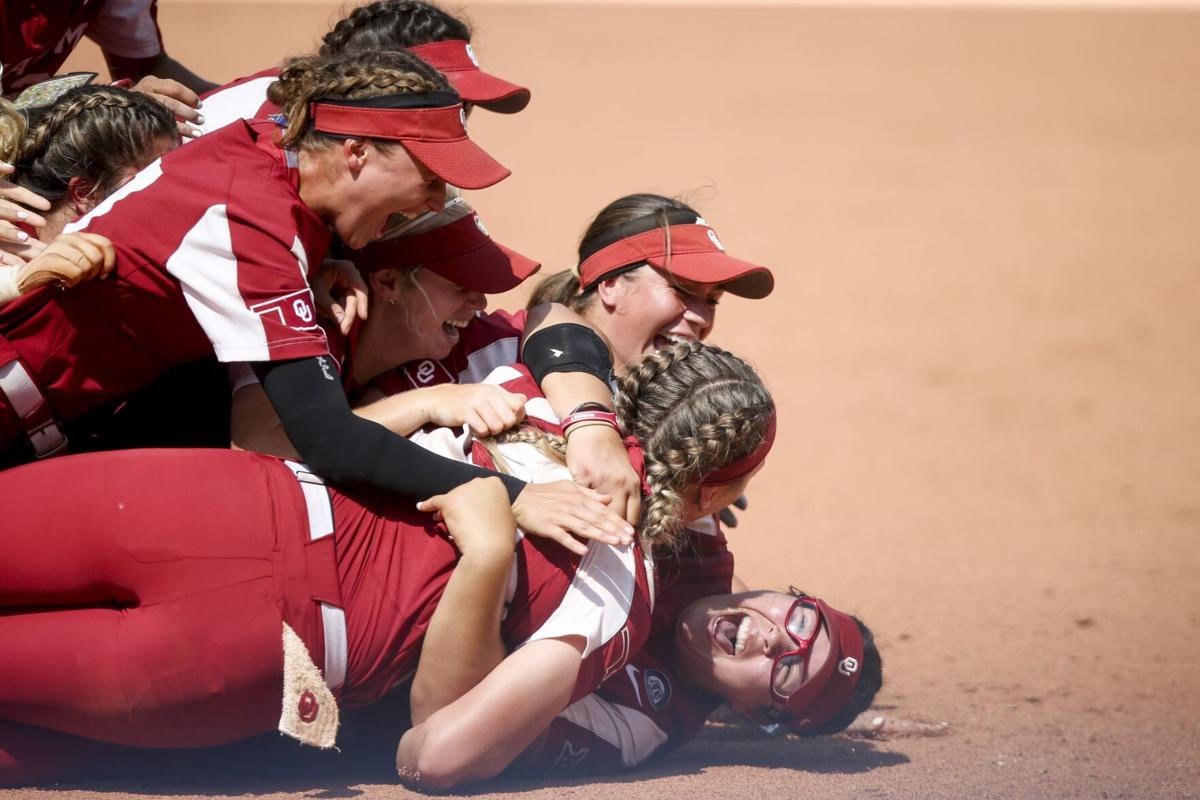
{"points": [[604, 417]]}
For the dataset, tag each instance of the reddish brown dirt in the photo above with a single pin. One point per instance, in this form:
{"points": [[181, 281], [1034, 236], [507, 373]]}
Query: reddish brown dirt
{"points": [[984, 345]]}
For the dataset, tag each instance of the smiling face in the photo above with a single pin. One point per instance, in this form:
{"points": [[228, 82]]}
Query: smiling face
{"points": [[366, 185], [432, 312], [728, 645], [646, 310]]}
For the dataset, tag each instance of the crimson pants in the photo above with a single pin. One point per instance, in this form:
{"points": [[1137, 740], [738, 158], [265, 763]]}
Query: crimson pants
{"points": [[142, 594]]}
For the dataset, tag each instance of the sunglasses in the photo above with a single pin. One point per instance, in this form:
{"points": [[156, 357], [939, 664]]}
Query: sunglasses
{"points": [[790, 669]]}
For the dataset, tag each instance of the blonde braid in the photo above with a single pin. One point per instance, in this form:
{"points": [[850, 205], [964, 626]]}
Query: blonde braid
{"points": [[12, 130], [554, 447], [696, 409], [348, 76]]}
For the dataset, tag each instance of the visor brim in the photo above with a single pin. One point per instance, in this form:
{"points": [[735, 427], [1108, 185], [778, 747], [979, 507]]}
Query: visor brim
{"points": [[489, 92], [460, 163], [490, 268], [735, 276]]}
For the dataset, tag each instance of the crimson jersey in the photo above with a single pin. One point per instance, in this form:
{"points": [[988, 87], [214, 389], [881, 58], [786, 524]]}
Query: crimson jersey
{"points": [[36, 38], [489, 341], [644, 709], [244, 98], [392, 582], [213, 247]]}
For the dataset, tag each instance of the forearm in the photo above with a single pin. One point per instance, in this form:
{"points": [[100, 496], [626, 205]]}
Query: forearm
{"points": [[402, 413], [481, 733], [254, 425], [462, 644], [160, 66], [341, 446]]}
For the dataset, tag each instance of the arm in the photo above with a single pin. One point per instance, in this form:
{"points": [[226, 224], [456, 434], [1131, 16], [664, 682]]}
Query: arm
{"points": [[595, 454], [463, 644], [482, 732], [160, 66]]}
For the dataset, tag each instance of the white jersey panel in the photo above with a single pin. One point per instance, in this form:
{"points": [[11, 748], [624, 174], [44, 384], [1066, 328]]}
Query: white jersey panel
{"points": [[237, 102], [632, 733]]}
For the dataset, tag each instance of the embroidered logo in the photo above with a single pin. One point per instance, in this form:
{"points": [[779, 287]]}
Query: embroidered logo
{"points": [[557, 353], [848, 666], [471, 55], [479, 224], [293, 310], [570, 757], [308, 707], [713, 236], [425, 372], [658, 688]]}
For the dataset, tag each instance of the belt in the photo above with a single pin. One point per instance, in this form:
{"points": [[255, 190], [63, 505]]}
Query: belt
{"points": [[31, 408], [320, 525]]}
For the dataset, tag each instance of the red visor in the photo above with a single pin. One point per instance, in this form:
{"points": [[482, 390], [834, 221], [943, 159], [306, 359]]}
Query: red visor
{"points": [[437, 137], [456, 60], [695, 253], [461, 252], [746, 464], [826, 692]]}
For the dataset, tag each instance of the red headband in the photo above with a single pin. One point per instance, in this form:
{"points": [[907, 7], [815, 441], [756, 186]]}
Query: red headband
{"points": [[693, 252], [826, 693], [435, 136], [440, 124], [746, 464]]}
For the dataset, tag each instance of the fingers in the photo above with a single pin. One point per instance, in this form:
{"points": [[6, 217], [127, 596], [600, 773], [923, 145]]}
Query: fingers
{"points": [[633, 508], [568, 541], [22, 196], [727, 517], [433, 505], [10, 259], [12, 212], [11, 233], [182, 101], [742, 502]]}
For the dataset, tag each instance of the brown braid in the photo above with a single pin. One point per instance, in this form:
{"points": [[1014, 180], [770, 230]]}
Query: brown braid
{"points": [[393, 25], [347, 76], [94, 133], [694, 407]]}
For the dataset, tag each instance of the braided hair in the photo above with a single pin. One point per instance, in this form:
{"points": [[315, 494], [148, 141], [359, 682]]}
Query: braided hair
{"points": [[348, 76], [695, 408], [95, 133], [392, 25]]}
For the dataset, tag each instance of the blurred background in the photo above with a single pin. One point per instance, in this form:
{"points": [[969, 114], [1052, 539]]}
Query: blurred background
{"points": [[984, 340]]}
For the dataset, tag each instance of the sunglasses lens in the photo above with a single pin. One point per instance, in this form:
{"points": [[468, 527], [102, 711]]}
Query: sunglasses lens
{"points": [[802, 621]]}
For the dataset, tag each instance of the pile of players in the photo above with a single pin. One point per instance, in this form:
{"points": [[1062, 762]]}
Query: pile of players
{"points": [[272, 338]]}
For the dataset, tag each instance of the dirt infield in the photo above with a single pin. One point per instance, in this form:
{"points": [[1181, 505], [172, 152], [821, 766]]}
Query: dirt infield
{"points": [[984, 345]]}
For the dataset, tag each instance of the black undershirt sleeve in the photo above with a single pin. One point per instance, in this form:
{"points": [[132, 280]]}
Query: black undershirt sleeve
{"points": [[341, 446]]}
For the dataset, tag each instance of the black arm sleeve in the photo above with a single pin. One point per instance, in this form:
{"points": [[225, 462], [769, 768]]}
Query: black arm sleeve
{"points": [[341, 446]]}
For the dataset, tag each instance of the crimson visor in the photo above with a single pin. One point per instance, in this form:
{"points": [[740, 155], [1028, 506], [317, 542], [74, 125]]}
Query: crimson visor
{"points": [[690, 251], [431, 126], [461, 252], [826, 692], [455, 59]]}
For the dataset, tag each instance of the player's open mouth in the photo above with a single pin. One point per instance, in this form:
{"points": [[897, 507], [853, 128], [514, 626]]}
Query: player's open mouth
{"points": [[453, 328], [729, 632]]}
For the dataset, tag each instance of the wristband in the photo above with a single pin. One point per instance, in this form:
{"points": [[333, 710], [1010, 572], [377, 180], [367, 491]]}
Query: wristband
{"points": [[590, 405], [567, 347], [607, 418]]}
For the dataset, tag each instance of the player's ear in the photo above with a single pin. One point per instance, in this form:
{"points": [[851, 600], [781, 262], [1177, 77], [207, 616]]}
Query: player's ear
{"points": [[355, 154], [79, 195]]}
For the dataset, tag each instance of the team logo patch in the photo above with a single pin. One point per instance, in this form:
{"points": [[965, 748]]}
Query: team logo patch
{"points": [[479, 224], [571, 756], [425, 372], [848, 666], [658, 688], [308, 707], [471, 55], [293, 310], [713, 236]]}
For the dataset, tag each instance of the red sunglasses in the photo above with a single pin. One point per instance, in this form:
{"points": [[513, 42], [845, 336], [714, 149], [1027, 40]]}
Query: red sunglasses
{"points": [[790, 669]]}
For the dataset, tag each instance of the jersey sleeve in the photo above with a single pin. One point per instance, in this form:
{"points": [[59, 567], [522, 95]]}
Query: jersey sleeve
{"points": [[127, 28]]}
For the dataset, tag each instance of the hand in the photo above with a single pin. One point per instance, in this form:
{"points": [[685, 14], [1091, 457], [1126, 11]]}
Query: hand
{"points": [[558, 510], [728, 518], [16, 206], [597, 459], [485, 408], [478, 517], [68, 260], [337, 275], [179, 100]]}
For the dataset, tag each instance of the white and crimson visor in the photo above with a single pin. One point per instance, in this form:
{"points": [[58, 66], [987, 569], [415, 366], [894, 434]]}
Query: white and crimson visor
{"points": [[689, 250], [431, 125], [455, 59]]}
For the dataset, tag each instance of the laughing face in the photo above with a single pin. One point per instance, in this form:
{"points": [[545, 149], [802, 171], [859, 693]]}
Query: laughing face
{"points": [[649, 310], [435, 310], [728, 645]]}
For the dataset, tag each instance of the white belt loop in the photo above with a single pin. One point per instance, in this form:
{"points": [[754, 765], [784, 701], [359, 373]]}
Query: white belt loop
{"points": [[320, 525], [26, 399]]}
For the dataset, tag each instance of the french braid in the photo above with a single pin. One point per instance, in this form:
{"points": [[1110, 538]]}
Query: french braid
{"points": [[349, 76], [392, 25], [695, 408], [91, 132]]}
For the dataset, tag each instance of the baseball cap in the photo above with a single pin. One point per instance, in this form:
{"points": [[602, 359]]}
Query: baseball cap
{"points": [[455, 59], [826, 692], [688, 247], [432, 126], [461, 252]]}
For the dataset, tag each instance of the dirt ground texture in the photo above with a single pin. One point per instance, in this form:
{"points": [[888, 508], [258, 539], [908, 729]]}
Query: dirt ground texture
{"points": [[983, 343]]}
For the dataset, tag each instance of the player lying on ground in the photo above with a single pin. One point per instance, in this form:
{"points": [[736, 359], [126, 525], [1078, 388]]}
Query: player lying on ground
{"points": [[163, 627]]}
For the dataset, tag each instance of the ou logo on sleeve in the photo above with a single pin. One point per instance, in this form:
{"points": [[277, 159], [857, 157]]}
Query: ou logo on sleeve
{"points": [[302, 309], [293, 310]]}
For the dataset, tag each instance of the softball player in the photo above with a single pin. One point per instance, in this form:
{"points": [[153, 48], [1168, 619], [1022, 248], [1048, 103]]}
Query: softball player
{"points": [[439, 39]]}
